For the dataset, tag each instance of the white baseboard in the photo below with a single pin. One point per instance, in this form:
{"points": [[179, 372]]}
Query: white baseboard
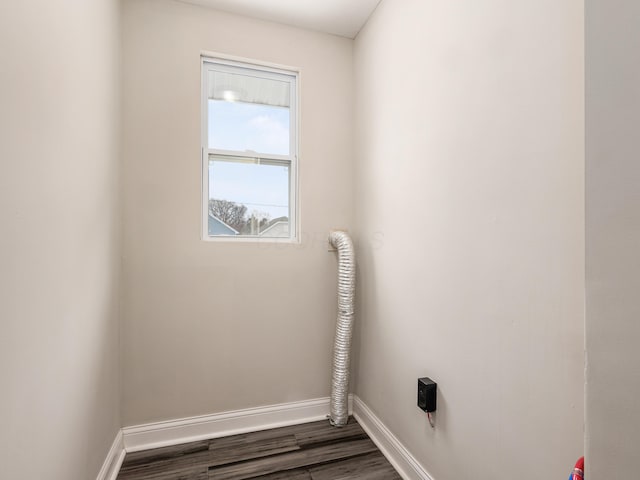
{"points": [[112, 463], [405, 463], [174, 432]]}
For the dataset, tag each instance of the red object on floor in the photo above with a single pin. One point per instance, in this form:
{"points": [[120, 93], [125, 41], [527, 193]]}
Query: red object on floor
{"points": [[578, 470]]}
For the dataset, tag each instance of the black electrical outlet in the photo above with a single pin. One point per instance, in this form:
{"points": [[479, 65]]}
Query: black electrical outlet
{"points": [[427, 393]]}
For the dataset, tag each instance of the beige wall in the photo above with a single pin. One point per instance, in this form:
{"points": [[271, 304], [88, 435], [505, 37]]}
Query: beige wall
{"points": [[613, 239], [210, 327], [469, 208], [59, 242]]}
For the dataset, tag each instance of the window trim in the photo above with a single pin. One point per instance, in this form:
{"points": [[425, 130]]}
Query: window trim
{"points": [[264, 70]]}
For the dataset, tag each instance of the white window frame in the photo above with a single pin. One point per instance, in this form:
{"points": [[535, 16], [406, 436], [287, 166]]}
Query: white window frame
{"points": [[263, 71]]}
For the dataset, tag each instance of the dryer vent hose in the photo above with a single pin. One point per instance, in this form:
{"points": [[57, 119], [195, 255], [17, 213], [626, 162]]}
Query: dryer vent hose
{"points": [[339, 408]]}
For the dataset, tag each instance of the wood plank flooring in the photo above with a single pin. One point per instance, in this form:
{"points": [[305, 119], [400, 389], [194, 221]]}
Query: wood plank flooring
{"points": [[312, 451]]}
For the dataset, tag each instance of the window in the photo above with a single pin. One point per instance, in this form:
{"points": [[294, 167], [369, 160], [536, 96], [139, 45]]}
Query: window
{"points": [[249, 151]]}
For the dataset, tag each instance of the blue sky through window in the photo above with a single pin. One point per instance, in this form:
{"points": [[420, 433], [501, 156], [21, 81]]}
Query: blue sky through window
{"points": [[248, 127]]}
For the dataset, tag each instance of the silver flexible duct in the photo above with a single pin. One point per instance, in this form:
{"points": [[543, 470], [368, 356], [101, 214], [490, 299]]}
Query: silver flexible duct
{"points": [[339, 408]]}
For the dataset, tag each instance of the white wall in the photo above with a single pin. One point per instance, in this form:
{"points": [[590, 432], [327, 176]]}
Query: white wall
{"points": [[613, 239], [469, 210], [210, 327], [59, 241]]}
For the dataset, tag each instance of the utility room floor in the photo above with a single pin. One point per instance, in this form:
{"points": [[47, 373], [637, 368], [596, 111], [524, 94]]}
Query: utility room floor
{"points": [[311, 451]]}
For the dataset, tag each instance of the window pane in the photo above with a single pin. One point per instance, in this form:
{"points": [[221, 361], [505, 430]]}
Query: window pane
{"points": [[248, 196], [247, 127]]}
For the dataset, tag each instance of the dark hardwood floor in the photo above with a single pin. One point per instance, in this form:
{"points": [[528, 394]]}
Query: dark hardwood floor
{"points": [[312, 451]]}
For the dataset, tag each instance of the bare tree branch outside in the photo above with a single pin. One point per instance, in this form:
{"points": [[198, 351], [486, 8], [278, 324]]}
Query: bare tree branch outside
{"points": [[231, 213]]}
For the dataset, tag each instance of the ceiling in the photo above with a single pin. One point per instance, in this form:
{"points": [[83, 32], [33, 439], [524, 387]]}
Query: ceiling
{"points": [[339, 17]]}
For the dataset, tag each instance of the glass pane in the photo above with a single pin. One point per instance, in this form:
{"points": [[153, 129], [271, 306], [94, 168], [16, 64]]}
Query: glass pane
{"points": [[248, 196], [248, 127]]}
